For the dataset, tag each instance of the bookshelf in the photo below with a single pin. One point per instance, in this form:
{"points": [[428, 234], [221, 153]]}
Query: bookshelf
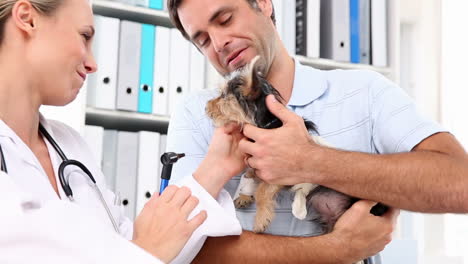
{"points": [[128, 121], [133, 13]]}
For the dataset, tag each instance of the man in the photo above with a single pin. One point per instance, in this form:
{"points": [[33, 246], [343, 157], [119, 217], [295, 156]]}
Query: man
{"points": [[356, 111]]}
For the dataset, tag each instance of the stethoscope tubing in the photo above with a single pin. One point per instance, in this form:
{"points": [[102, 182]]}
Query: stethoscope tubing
{"points": [[64, 181]]}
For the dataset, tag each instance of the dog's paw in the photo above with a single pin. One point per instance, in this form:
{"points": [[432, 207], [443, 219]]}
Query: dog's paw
{"points": [[243, 201], [261, 225], [299, 210]]}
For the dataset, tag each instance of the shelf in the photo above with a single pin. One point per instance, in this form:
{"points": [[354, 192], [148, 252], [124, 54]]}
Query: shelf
{"points": [[133, 13], [126, 121], [326, 64], [161, 18]]}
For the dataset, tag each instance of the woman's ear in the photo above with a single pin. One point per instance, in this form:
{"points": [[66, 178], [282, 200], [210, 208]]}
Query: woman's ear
{"points": [[24, 16]]}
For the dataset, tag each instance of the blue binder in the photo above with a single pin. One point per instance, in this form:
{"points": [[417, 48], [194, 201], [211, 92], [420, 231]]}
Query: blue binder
{"points": [[354, 31], [156, 4], [145, 92]]}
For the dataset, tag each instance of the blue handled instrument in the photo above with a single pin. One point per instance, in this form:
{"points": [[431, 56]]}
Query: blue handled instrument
{"points": [[168, 159]]}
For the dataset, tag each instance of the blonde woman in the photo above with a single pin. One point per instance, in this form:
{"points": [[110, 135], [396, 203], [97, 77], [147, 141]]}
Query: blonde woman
{"points": [[45, 56]]}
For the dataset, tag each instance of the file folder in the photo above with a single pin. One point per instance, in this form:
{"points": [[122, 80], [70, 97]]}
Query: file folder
{"points": [[364, 13], [197, 69], [355, 27], [126, 173], [102, 85], [334, 30], [161, 70], [179, 69], [109, 157], [313, 28], [289, 27], [156, 4], [379, 32], [145, 92], [162, 150], [93, 135], [129, 66], [148, 167]]}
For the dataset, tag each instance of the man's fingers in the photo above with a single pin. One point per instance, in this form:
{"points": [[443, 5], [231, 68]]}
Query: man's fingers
{"points": [[252, 132], [246, 146], [278, 109]]}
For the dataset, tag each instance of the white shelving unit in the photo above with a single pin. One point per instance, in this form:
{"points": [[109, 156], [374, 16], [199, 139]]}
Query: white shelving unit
{"points": [[129, 121]]}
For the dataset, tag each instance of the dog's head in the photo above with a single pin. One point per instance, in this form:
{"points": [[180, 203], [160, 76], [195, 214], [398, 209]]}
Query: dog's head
{"points": [[243, 97]]}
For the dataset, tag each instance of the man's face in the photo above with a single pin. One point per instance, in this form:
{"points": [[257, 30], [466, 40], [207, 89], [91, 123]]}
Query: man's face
{"points": [[230, 32]]}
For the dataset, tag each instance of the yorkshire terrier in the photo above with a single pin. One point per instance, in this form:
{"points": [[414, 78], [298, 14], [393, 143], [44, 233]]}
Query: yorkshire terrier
{"points": [[242, 100]]}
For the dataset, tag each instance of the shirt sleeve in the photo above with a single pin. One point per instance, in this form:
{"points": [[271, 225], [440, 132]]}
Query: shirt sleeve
{"points": [[397, 125], [58, 232], [221, 220], [190, 132]]}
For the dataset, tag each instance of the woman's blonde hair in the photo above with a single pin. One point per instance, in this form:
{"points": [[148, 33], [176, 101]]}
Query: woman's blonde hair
{"points": [[45, 7]]}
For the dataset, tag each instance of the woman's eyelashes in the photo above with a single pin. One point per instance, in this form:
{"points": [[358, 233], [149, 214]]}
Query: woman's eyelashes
{"points": [[87, 36]]}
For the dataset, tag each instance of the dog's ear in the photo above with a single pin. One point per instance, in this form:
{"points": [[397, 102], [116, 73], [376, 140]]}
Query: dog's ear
{"points": [[252, 87]]}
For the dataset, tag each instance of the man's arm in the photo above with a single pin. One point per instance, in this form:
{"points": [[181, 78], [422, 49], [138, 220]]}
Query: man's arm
{"points": [[433, 177], [357, 235]]}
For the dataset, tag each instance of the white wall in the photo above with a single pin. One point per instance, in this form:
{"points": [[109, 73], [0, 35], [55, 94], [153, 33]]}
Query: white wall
{"points": [[454, 102], [427, 76]]}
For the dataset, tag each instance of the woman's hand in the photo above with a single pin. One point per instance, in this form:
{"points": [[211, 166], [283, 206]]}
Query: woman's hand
{"points": [[223, 160], [162, 228]]}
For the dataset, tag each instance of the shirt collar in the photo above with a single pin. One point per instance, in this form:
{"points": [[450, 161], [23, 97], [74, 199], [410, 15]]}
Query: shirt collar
{"points": [[309, 84], [6, 131]]}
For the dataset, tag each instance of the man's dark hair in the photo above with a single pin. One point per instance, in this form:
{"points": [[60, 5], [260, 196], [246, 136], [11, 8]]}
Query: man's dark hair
{"points": [[173, 6]]}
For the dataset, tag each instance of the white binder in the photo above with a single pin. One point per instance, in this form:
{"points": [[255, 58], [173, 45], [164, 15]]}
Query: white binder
{"points": [[148, 167], [335, 30], [365, 42], [379, 32], [178, 69], [126, 171], [102, 85], [313, 28], [109, 157], [129, 66], [93, 135], [197, 70], [161, 70], [162, 150], [278, 5], [289, 26]]}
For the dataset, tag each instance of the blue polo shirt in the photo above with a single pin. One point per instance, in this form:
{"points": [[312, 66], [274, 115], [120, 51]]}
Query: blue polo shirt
{"points": [[354, 110]]}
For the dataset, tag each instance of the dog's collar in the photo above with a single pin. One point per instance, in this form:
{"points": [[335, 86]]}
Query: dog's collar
{"points": [[309, 84]]}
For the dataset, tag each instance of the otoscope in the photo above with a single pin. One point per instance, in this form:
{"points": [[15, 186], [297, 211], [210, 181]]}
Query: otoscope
{"points": [[168, 159]]}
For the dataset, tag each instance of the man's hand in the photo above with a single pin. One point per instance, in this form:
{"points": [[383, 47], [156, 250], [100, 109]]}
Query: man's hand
{"points": [[360, 234], [278, 155], [223, 161], [162, 228]]}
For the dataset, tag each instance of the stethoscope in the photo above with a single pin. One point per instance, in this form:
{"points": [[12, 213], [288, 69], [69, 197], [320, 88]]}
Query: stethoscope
{"points": [[63, 180]]}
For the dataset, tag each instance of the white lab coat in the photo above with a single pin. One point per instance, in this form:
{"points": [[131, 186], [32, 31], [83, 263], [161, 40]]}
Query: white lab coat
{"points": [[37, 220]]}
